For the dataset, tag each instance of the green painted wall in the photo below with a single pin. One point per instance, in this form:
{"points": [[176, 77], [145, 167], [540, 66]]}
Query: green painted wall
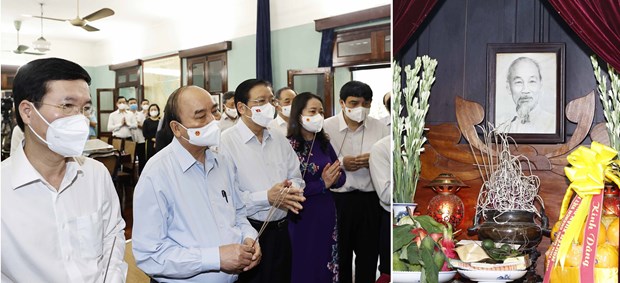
{"points": [[291, 48], [101, 77]]}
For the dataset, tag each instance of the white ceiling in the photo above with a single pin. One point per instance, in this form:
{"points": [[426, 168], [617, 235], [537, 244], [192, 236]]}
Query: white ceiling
{"points": [[143, 28]]}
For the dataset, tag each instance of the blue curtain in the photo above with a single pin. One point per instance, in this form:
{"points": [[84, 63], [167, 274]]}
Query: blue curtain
{"points": [[263, 42], [327, 48]]}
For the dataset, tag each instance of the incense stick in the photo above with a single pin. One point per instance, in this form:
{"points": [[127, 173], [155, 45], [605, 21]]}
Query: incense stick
{"points": [[270, 214], [107, 268]]}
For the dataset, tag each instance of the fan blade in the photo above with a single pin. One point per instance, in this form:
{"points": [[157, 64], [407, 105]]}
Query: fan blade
{"points": [[33, 53], [52, 19], [105, 12], [22, 48], [90, 28]]}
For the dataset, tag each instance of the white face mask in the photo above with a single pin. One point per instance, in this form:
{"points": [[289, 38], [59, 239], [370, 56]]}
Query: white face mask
{"points": [[145, 107], [357, 114], [66, 136], [313, 124], [262, 115], [122, 106], [207, 135], [286, 111], [232, 113], [154, 113]]}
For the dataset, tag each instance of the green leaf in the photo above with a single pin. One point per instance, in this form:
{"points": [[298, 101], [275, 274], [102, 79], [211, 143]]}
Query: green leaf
{"points": [[413, 254], [398, 265], [430, 269], [429, 224], [402, 236]]}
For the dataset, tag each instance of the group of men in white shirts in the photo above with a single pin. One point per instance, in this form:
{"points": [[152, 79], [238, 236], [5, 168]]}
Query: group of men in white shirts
{"points": [[196, 210]]}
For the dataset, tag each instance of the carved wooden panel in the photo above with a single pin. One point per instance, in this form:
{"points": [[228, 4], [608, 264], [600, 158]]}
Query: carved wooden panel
{"points": [[445, 154]]}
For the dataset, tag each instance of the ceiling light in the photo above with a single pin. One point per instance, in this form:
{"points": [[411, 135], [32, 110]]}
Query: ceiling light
{"points": [[41, 44]]}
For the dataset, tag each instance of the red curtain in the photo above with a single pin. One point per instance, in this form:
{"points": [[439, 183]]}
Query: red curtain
{"points": [[597, 23], [408, 15]]}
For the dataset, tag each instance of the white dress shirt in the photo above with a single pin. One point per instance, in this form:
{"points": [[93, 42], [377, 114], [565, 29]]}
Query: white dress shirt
{"points": [[226, 122], [183, 212], [116, 126], [65, 235], [380, 164], [259, 166], [17, 137], [540, 121], [279, 125], [136, 133], [353, 143]]}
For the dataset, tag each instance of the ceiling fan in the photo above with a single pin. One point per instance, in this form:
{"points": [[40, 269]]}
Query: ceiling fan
{"points": [[83, 22], [21, 49]]}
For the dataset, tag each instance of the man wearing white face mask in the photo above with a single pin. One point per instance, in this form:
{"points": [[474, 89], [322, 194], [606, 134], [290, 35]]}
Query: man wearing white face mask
{"points": [[284, 98], [61, 219], [122, 120], [189, 222], [267, 172], [352, 134], [230, 111]]}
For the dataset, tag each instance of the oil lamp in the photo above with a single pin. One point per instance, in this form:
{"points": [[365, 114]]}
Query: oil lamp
{"points": [[446, 206]]}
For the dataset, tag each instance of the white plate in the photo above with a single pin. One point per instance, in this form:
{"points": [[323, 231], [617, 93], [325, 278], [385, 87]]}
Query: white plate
{"points": [[492, 276], [414, 277]]}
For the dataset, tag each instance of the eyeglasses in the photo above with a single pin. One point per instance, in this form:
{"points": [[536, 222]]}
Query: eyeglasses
{"points": [[68, 109], [262, 101]]}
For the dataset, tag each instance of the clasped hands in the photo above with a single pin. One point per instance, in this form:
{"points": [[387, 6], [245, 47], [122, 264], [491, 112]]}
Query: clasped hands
{"points": [[354, 163], [282, 195], [236, 258]]}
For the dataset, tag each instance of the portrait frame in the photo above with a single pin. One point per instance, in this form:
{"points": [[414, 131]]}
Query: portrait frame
{"points": [[503, 99]]}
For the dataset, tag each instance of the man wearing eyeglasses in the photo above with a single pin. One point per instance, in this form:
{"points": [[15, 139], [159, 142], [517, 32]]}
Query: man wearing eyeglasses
{"points": [[267, 174], [61, 219], [352, 134]]}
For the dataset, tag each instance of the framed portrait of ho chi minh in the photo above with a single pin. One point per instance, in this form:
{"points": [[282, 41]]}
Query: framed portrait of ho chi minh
{"points": [[525, 86]]}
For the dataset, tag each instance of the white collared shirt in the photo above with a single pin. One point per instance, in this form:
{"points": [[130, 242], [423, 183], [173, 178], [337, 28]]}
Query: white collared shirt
{"points": [[259, 166], [65, 235], [116, 126], [136, 133], [540, 121], [183, 212], [226, 122], [279, 125], [380, 163], [353, 143]]}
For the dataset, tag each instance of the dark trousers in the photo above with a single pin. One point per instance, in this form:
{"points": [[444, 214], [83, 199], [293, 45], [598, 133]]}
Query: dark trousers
{"points": [[385, 247], [275, 264], [141, 155], [359, 215], [150, 149]]}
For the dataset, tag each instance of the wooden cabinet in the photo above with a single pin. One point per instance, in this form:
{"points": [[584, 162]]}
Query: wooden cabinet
{"points": [[209, 72], [8, 74], [362, 46]]}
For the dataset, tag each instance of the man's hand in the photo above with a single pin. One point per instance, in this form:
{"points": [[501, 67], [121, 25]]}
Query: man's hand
{"points": [[123, 122], [331, 173], [362, 160], [350, 163], [282, 195], [234, 258], [258, 253]]}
